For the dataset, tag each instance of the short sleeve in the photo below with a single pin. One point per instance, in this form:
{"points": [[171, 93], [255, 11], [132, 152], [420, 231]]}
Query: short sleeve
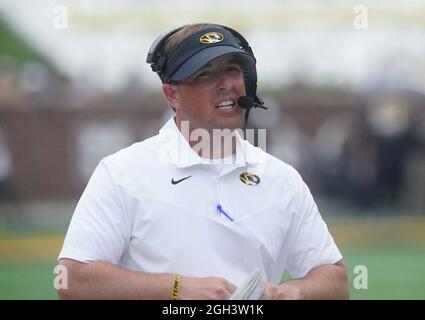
{"points": [[309, 242], [99, 228]]}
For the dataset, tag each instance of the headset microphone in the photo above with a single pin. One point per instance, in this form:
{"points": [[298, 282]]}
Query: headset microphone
{"points": [[247, 102]]}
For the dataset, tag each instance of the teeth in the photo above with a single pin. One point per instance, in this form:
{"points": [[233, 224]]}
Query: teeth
{"points": [[228, 104], [225, 103]]}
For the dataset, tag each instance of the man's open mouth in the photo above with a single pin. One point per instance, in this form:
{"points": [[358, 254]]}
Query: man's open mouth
{"points": [[225, 105]]}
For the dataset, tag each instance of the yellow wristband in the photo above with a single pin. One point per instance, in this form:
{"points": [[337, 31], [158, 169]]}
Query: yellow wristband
{"points": [[176, 287]]}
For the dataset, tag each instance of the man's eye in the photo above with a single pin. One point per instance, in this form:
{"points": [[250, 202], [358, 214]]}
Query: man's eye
{"points": [[234, 68], [203, 74]]}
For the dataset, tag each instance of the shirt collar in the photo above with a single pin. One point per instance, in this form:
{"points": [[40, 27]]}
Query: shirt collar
{"points": [[174, 149]]}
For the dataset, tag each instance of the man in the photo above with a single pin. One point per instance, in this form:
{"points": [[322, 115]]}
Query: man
{"points": [[168, 219]]}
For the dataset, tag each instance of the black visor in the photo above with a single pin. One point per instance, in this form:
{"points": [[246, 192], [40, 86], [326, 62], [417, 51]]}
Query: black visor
{"points": [[199, 49]]}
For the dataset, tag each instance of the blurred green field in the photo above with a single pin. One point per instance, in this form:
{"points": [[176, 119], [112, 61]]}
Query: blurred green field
{"points": [[27, 281], [392, 249], [394, 272]]}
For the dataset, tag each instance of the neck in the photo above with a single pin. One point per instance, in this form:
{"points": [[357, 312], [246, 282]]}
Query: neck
{"points": [[209, 144]]}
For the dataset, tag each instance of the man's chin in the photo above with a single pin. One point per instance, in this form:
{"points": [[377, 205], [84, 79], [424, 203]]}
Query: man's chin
{"points": [[231, 124]]}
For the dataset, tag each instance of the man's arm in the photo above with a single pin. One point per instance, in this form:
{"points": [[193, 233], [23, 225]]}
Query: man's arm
{"points": [[103, 280], [328, 281]]}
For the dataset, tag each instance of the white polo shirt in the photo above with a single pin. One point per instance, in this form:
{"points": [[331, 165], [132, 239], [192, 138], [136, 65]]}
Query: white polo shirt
{"points": [[131, 214]]}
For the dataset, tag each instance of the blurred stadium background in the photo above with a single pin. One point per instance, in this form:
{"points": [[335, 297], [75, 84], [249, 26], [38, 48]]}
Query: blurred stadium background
{"points": [[347, 109]]}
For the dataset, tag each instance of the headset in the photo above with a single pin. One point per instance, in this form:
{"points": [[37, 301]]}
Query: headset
{"points": [[158, 62], [155, 57]]}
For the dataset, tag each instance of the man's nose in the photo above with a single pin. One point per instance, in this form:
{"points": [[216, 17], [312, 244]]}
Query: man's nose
{"points": [[224, 81]]}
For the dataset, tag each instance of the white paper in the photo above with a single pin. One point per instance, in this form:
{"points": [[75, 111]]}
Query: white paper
{"points": [[251, 289]]}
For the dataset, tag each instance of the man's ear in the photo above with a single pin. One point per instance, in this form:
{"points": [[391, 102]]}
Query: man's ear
{"points": [[170, 92]]}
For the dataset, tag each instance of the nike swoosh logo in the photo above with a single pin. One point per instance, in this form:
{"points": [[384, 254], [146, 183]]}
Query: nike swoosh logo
{"points": [[178, 181]]}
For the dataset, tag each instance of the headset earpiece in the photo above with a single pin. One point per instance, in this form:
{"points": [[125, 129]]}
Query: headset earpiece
{"points": [[155, 57]]}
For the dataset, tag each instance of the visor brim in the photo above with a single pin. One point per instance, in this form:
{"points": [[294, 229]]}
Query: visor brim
{"points": [[202, 58]]}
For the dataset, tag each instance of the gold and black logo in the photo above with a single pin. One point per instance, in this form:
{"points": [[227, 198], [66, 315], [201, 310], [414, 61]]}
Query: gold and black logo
{"points": [[249, 178], [211, 38]]}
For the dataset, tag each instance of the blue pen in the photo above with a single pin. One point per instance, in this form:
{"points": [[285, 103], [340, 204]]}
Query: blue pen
{"points": [[220, 209]]}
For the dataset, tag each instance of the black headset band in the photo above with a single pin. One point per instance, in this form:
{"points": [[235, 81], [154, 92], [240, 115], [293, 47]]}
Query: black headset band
{"points": [[156, 48]]}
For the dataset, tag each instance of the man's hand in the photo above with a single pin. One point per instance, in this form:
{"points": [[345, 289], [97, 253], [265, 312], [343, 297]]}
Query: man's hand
{"points": [[210, 288], [328, 281], [280, 292]]}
